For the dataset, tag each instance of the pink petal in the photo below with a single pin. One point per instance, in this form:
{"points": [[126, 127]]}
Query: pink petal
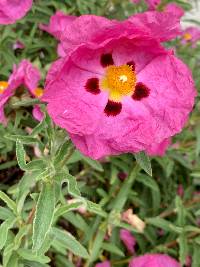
{"points": [[158, 149], [103, 264], [12, 10], [175, 9], [161, 25], [154, 260], [37, 113], [57, 24], [128, 239]]}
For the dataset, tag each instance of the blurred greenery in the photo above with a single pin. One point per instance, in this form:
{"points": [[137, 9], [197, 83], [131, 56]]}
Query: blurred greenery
{"points": [[40, 195]]}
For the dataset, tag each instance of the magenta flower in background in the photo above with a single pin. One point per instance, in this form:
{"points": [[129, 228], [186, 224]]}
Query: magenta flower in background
{"points": [[128, 239], [191, 35], [118, 89], [180, 190], [25, 74], [154, 260], [13, 10], [153, 4], [172, 8], [103, 264]]}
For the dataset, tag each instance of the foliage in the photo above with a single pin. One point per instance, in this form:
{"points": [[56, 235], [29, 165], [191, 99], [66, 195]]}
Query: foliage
{"points": [[46, 181]]}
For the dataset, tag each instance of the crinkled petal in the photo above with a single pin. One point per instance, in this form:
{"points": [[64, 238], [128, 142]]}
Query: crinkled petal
{"points": [[159, 149], [172, 94], [12, 10], [161, 25], [57, 24], [154, 260], [83, 29], [175, 9]]}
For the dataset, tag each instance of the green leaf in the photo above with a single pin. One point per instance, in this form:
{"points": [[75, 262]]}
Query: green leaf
{"points": [[5, 226], [112, 249], [72, 185], [164, 224], [98, 242], [21, 155], [123, 194], [183, 248], [6, 214], [44, 215], [29, 255], [144, 161], [21, 233], [66, 208], [10, 203], [69, 242], [24, 139], [95, 208]]}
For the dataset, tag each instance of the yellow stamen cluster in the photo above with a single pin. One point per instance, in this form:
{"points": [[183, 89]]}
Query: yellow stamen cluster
{"points": [[38, 92], [187, 36], [3, 86], [119, 81]]}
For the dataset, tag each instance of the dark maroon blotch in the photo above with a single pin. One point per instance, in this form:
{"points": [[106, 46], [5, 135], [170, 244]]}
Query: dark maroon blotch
{"points": [[106, 60], [92, 86], [141, 91], [131, 63], [113, 108]]}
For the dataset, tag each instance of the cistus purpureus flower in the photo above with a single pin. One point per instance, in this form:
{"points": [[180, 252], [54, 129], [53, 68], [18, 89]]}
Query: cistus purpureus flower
{"points": [[128, 240], [103, 264], [154, 260], [191, 35], [118, 89], [25, 74], [13, 10]]}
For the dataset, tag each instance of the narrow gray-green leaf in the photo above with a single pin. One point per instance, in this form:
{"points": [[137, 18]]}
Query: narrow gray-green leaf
{"points": [[29, 255], [10, 203], [5, 226], [144, 161], [44, 215], [69, 242]]}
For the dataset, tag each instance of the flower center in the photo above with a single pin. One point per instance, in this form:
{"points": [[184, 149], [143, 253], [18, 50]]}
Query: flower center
{"points": [[119, 81], [187, 36], [3, 86], [38, 92]]}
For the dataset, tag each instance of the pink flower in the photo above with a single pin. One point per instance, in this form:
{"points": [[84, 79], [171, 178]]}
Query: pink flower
{"points": [[103, 264], [154, 260], [25, 74], [191, 35], [18, 45], [128, 239], [118, 89], [12, 10]]}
